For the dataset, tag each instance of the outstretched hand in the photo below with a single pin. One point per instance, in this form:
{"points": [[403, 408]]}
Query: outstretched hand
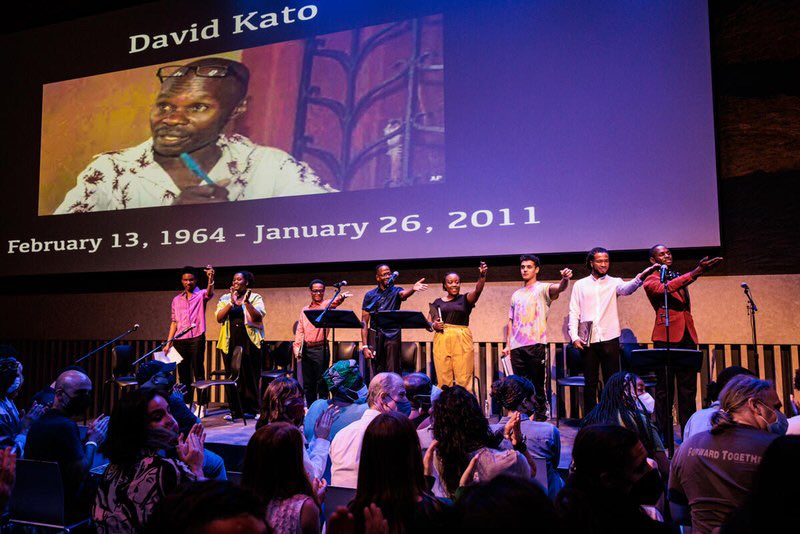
{"points": [[420, 285], [469, 473], [708, 264], [322, 428], [427, 460]]}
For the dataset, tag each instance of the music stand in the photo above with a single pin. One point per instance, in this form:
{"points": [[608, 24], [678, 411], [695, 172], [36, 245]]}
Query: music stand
{"points": [[334, 319], [667, 360], [400, 320]]}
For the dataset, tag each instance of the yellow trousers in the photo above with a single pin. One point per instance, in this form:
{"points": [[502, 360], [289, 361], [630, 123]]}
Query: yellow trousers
{"points": [[453, 356]]}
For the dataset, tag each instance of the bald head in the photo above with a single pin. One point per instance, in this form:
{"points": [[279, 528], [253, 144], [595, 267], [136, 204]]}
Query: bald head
{"points": [[70, 384], [385, 389]]}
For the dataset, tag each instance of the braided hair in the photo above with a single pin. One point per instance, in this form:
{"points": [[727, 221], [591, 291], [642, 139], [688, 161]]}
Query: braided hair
{"points": [[618, 406]]}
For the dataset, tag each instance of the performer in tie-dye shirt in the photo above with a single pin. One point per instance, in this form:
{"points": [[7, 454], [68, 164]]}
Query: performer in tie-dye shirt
{"points": [[526, 339]]}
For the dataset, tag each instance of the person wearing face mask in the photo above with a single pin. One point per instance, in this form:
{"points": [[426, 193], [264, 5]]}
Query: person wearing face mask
{"points": [[610, 480], [161, 377], [55, 437], [13, 426], [349, 394], [139, 475], [543, 440], [713, 472], [241, 314], [700, 421], [453, 353], [386, 394], [283, 403]]}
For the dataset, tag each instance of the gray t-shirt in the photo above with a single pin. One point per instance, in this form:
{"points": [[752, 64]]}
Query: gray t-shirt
{"points": [[713, 474]]}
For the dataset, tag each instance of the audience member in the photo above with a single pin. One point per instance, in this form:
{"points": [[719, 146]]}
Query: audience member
{"points": [[208, 507], [138, 475], [385, 393], [391, 476], [55, 437], [160, 376], [284, 403], [13, 427], [618, 406], [8, 475], [274, 471], [610, 479], [700, 421], [543, 440], [420, 392], [713, 471], [462, 432], [349, 395], [770, 507], [794, 421], [505, 504]]}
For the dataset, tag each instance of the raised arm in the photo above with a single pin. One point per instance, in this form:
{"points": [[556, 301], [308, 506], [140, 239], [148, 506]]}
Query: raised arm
{"points": [[256, 313], [210, 288], [556, 290], [627, 288], [420, 285], [224, 306], [473, 296]]}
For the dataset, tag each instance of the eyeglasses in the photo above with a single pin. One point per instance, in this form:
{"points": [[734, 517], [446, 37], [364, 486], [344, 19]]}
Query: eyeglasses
{"points": [[203, 71], [318, 291]]}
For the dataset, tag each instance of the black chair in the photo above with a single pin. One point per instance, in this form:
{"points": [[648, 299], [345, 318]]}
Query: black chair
{"points": [[408, 356], [280, 354], [230, 378], [38, 497], [336, 497], [571, 365], [122, 370], [345, 350]]}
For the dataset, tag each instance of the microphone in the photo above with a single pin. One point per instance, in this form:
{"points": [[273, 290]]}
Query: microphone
{"points": [[393, 278], [663, 273], [337, 285], [135, 327], [745, 286]]}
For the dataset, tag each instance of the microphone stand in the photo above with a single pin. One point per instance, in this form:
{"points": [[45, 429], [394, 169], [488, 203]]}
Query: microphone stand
{"points": [[670, 431], [318, 320], [161, 345], [101, 347], [751, 313]]}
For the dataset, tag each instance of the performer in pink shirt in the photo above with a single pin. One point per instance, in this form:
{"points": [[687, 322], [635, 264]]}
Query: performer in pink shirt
{"points": [[188, 308], [311, 343]]}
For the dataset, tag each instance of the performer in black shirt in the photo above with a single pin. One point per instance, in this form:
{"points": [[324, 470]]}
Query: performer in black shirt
{"points": [[453, 353]]}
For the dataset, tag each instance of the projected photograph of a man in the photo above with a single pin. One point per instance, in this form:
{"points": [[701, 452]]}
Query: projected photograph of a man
{"points": [[278, 120], [188, 160]]}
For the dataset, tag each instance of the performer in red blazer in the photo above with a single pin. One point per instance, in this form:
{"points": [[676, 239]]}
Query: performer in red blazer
{"points": [[682, 334]]}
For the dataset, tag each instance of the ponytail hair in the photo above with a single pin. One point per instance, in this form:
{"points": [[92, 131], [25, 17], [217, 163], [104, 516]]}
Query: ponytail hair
{"points": [[733, 397]]}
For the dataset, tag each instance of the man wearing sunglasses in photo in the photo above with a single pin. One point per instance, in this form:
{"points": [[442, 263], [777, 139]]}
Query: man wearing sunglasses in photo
{"points": [[189, 159]]}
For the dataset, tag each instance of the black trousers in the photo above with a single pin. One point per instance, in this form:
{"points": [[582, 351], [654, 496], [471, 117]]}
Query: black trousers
{"points": [[249, 374], [599, 354], [530, 361], [684, 381], [315, 362], [192, 367], [387, 353]]}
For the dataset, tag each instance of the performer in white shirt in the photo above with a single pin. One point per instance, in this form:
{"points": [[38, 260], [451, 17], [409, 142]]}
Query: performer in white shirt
{"points": [[594, 300]]}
